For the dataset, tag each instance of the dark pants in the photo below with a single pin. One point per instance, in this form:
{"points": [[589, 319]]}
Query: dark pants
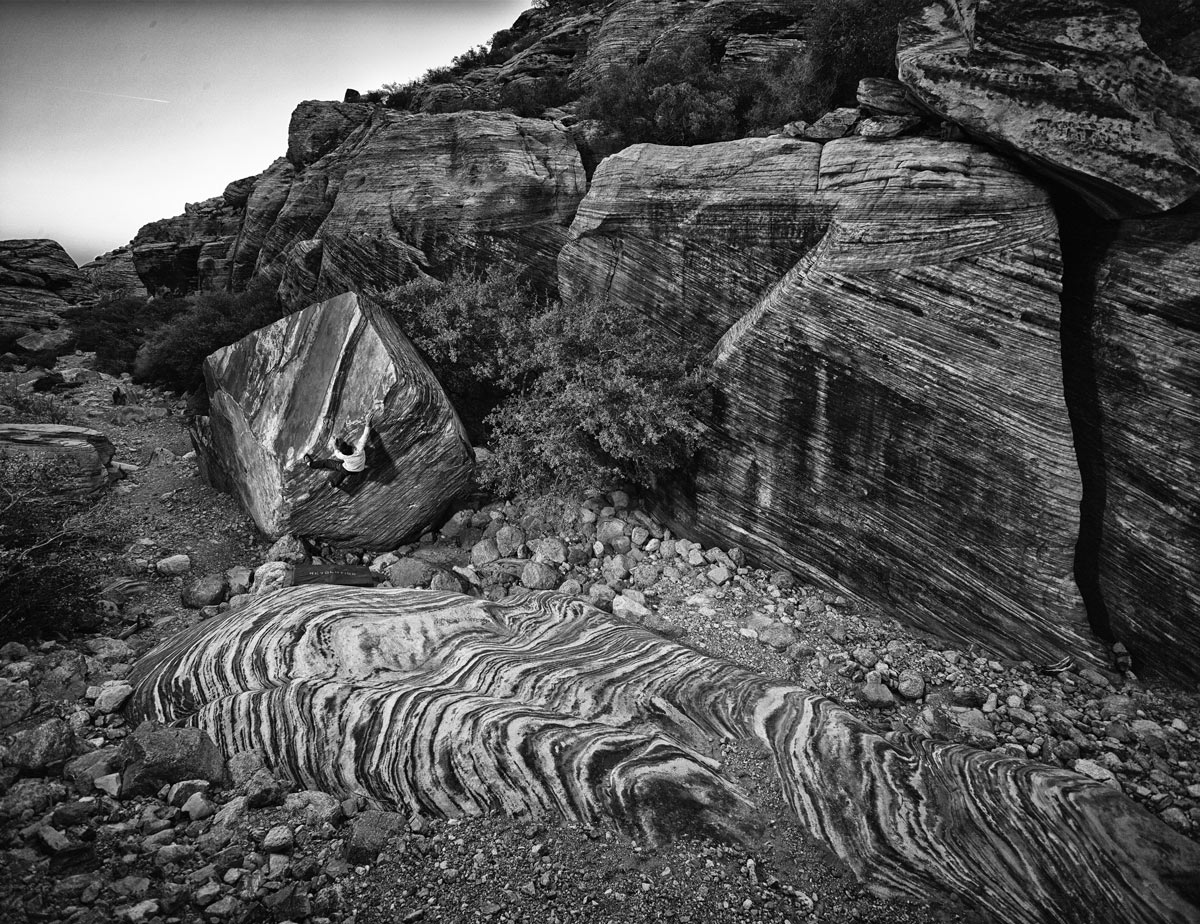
{"points": [[338, 476]]}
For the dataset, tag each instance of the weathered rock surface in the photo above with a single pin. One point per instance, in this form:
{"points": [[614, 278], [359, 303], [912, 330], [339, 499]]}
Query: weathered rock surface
{"points": [[319, 126], [1146, 334], [1070, 88], [412, 194], [113, 274], [80, 455], [190, 252], [440, 704], [38, 281], [883, 326], [262, 206], [292, 387]]}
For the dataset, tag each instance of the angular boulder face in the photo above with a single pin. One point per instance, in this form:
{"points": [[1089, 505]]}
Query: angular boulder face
{"points": [[882, 321], [1071, 88], [405, 195], [1146, 337], [80, 456], [432, 702], [292, 387]]}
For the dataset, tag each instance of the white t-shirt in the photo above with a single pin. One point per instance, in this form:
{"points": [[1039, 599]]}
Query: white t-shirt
{"points": [[355, 461]]}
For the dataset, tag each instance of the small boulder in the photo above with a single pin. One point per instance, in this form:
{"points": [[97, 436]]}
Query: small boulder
{"points": [[16, 701], [410, 572], [629, 608], [289, 549], [509, 540], [313, 808], [209, 590], [173, 565], [539, 576], [484, 552], [369, 834], [113, 695], [911, 685], [778, 636], [42, 746], [156, 755]]}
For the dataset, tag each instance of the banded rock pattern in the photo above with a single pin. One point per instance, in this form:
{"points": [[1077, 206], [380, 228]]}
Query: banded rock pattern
{"points": [[38, 281], [81, 455], [883, 325], [450, 705], [1146, 334], [113, 274], [290, 388], [411, 194], [1071, 88]]}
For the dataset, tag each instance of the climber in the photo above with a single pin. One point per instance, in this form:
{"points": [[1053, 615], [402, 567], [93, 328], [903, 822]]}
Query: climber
{"points": [[348, 465]]}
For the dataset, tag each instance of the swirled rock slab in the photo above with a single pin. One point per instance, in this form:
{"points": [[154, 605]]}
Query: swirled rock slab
{"points": [[409, 194], [1146, 332], [290, 388], [1068, 87], [883, 325], [450, 705], [80, 455]]}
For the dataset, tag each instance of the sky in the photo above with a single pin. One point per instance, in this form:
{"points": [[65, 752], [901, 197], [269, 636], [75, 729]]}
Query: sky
{"points": [[115, 113]]}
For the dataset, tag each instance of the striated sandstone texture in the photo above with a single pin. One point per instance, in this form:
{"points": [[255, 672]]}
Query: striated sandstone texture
{"points": [[113, 274], [1146, 339], [883, 323], [261, 207], [80, 456], [292, 387], [412, 194], [38, 281], [1071, 88], [446, 705], [190, 252], [319, 126]]}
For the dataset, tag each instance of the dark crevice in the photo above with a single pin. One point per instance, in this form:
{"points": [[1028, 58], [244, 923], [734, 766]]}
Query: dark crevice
{"points": [[1085, 240]]}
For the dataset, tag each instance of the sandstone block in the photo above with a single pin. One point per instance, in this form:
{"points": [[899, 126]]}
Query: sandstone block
{"points": [[1069, 87], [289, 389]]}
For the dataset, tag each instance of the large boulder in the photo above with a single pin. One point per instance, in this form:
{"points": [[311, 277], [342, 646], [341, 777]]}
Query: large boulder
{"points": [[407, 195], [443, 704], [1146, 339], [292, 387], [38, 282], [882, 324], [1068, 87], [80, 456]]}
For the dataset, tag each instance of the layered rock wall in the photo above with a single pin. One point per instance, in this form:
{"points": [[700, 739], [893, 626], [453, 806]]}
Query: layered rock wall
{"points": [[407, 195], [883, 327], [1146, 338]]}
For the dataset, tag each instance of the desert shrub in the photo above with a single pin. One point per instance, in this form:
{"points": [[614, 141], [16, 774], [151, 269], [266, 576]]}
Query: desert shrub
{"points": [[852, 39], [23, 406], [465, 330], [533, 97], [599, 398], [173, 355], [565, 398], [44, 588], [115, 329]]}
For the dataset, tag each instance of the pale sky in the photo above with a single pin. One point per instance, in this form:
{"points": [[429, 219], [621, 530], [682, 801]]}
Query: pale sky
{"points": [[85, 162]]}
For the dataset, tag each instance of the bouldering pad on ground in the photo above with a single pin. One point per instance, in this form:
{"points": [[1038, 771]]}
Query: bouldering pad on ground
{"points": [[345, 575]]}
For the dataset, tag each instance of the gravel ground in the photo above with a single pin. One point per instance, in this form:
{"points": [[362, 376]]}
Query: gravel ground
{"points": [[77, 846]]}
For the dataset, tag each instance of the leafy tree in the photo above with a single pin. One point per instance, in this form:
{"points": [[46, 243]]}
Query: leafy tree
{"points": [[115, 329], [173, 355], [565, 398]]}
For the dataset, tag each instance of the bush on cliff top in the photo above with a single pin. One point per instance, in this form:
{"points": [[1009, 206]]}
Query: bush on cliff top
{"points": [[564, 397]]}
